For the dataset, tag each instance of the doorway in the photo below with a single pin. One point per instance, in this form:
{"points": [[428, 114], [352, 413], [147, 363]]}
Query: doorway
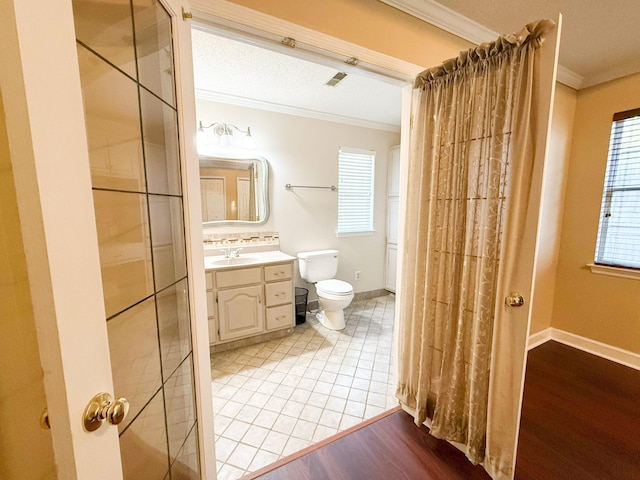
{"points": [[274, 398]]}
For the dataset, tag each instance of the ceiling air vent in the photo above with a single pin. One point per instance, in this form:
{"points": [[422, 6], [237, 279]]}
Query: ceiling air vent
{"points": [[336, 79]]}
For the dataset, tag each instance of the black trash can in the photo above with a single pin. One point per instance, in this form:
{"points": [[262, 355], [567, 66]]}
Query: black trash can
{"points": [[301, 304]]}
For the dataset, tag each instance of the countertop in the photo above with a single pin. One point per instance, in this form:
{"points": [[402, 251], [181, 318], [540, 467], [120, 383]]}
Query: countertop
{"points": [[253, 259]]}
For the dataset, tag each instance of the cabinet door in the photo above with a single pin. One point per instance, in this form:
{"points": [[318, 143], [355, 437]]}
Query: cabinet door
{"points": [[391, 267], [392, 220], [240, 312], [393, 172], [211, 317]]}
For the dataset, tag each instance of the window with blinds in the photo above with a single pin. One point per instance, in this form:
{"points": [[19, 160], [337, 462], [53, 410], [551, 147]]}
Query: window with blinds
{"points": [[355, 190], [618, 241]]}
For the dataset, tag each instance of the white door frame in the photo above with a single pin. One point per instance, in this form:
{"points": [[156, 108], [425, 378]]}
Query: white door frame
{"points": [[183, 59]]}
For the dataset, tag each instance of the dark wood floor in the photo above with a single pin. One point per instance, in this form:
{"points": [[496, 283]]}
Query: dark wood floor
{"points": [[580, 417], [580, 420], [392, 448]]}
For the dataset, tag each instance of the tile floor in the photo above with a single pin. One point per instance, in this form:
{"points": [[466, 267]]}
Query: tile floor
{"points": [[278, 397]]}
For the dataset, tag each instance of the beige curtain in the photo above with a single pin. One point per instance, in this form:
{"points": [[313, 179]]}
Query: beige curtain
{"points": [[469, 175]]}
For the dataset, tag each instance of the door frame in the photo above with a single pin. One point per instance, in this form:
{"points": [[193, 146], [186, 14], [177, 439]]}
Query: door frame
{"points": [[261, 29]]}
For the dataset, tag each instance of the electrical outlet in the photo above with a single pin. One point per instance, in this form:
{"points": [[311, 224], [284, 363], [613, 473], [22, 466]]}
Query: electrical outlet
{"points": [[358, 274]]}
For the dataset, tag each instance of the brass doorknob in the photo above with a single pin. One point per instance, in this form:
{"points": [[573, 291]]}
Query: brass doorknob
{"points": [[102, 407], [514, 300], [117, 411]]}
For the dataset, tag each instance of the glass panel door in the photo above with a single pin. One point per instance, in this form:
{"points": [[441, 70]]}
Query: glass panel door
{"points": [[126, 63]]}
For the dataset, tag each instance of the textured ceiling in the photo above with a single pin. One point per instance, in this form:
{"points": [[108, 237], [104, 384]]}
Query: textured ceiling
{"points": [[241, 71], [600, 39]]}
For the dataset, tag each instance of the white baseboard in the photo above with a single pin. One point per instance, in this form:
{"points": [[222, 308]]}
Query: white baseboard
{"points": [[539, 338], [609, 352]]}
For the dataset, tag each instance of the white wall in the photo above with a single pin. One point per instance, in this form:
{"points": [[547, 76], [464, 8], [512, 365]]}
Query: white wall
{"points": [[303, 151]]}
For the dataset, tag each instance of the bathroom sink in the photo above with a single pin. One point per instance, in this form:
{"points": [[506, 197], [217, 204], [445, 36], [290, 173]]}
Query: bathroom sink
{"points": [[235, 261], [247, 258]]}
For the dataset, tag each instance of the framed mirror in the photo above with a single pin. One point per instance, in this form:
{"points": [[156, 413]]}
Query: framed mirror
{"points": [[234, 189]]}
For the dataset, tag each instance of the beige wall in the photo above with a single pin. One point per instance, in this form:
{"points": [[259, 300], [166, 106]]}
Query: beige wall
{"points": [[598, 307], [553, 194], [22, 397], [304, 151], [370, 24]]}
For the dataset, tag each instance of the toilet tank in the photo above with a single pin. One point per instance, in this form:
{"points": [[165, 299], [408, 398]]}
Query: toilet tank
{"points": [[318, 265]]}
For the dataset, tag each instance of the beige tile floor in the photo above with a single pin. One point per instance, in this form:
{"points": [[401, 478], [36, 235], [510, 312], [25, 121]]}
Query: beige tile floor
{"points": [[278, 397]]}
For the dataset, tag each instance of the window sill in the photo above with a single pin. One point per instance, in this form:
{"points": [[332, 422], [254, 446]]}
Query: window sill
{"points": [[355, 234], [615, 271]]}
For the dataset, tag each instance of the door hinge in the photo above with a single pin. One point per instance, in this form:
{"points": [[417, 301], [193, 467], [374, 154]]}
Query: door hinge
{"points": [[216, 297], [186, 15]]}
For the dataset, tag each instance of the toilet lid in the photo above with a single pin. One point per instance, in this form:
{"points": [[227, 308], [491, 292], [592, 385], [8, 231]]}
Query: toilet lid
{"points": [[336, 287]]}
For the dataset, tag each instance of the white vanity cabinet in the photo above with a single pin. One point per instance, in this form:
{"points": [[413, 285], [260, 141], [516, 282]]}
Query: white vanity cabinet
{"points": [[245, 301]]}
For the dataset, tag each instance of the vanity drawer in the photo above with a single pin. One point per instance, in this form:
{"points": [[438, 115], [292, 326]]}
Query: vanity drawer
{"points": [[279, 317], [277, 272], [278, 293], [208, 277], [242, 276]]}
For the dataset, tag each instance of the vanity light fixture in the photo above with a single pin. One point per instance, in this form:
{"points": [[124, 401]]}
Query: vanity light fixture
{"points": [[224, 133]]}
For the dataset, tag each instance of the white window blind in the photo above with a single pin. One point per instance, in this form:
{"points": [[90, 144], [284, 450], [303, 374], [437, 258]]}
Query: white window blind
{"points": [[619, 228], [355, 190]]}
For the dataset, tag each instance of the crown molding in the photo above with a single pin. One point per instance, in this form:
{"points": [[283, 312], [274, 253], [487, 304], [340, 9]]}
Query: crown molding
{"points": [[202, 94], [570, 78], [445, 18], [450, 21]]}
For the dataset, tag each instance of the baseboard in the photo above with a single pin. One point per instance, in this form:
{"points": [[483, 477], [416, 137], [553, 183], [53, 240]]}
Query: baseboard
{"points": [[381, 292], [539, 338], [609, 352]]}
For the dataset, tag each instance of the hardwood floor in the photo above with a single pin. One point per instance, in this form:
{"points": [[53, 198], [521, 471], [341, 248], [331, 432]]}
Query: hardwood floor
{"points": [[580, 420], [580, 417], [389, 448]]}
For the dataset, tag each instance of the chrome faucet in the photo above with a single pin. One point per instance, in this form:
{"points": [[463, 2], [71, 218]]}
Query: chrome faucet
{"points": [[231, 252]]}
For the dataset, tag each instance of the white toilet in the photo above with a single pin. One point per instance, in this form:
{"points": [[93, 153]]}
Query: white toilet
{"points": [[334, 296]]}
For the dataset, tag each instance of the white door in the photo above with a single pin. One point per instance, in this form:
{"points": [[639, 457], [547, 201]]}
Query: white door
{"points": [[244, 198], [49, 144], [393, 203], [511, 329], [213, 199]]}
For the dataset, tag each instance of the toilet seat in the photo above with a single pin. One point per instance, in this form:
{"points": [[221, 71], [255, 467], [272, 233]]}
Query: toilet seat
{"points": [[334, 288]]}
